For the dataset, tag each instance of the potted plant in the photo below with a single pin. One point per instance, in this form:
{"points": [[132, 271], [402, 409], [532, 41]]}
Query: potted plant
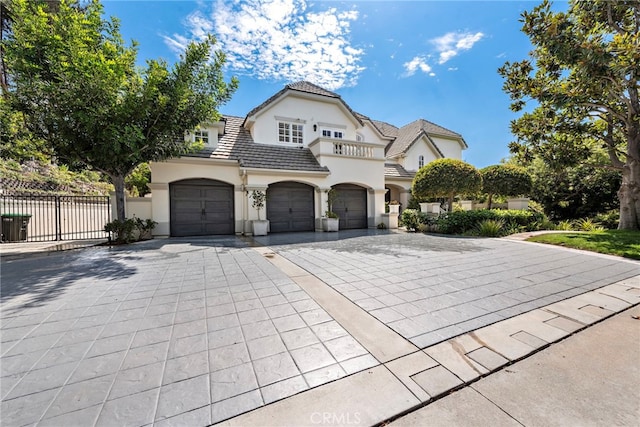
{"points": [[330, 221], [260, 226], [394, 206]]}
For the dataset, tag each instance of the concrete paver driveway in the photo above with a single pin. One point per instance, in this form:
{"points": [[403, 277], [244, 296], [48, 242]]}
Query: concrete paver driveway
{"points": [[430, 288], [192, 332]]}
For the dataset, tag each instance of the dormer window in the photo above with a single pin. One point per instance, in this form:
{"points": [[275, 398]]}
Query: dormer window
{"points": [[420, 161], [201, 136], [290, 132]]}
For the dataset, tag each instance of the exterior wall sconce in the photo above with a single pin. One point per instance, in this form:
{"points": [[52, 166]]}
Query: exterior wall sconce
{"points": [[315, 128]]}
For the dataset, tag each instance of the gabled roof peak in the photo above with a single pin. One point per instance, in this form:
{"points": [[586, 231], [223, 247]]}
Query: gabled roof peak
{"points": [[305, 86], [430, 127]]}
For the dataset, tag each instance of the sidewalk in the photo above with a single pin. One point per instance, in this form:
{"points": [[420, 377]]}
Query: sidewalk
{"points": [[591, 378], [24, 249]]}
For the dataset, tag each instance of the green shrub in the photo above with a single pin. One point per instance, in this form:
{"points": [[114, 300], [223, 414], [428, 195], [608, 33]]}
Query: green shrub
{"points": [[564, 226], [414, 203], [587, 224], [461, 222], [490, 228], [121, 231], [608, 220], [129, 230], [410, 218]]}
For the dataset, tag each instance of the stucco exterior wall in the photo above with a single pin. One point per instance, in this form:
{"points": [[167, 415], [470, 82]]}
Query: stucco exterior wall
{"points": [[308, 112], [451, 148], [370, 135], [164, 173], [419, 148]]}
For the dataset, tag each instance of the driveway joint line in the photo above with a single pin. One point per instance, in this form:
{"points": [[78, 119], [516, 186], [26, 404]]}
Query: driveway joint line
{"points": [[336, 297]]}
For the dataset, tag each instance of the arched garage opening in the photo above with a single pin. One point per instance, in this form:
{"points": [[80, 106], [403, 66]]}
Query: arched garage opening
{"points": [[290, 207], [351, 206], [201, 207]]}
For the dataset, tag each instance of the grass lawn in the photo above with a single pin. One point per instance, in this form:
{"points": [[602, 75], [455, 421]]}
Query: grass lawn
{"points": [[614, 242]]}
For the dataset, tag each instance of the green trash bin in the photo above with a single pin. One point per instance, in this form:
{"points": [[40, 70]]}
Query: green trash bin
{"points": [[14, 227]]}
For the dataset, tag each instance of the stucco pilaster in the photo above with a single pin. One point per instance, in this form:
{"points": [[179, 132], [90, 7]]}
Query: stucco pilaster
{"points": [[160, 207]]}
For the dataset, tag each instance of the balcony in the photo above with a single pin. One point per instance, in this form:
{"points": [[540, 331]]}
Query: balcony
{"points": [[331, 147]]}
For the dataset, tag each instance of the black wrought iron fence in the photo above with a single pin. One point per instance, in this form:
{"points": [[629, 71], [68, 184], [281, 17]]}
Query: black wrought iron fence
{"points": [[36, 218]]}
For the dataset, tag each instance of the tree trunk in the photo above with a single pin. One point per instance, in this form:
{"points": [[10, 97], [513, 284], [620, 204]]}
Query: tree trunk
{"points": [[629, 196], [489, 201], [450, 203], [118, 183]]}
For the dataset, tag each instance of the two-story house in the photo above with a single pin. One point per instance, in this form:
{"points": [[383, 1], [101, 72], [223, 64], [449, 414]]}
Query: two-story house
{"points": [[296, 146]]}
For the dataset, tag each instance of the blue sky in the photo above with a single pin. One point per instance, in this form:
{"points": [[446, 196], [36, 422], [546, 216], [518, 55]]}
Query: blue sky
{"points": [[393, 61]]}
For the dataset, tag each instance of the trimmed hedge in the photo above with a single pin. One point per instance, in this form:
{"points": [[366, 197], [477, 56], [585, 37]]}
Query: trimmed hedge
{"points": [[462, 222], [470, 222]]}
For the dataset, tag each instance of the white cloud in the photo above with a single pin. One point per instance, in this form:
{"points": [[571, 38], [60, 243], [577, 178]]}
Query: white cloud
{"points": [[417, 63], [279, 40], [451, 44]]}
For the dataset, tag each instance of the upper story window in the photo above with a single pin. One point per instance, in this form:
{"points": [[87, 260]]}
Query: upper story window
{"points": [[201, 136], [420, 161], [328, 133], [290, 132]]}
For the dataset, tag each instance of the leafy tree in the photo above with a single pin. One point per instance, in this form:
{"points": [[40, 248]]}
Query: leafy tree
{"points": [[16, 142], [583, 76], [446, 178], [137, 181], [79, 88], [505, 180], [573, 192]]}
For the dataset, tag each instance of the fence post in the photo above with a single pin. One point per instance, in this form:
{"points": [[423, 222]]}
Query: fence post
{"points": [[58, 219]]}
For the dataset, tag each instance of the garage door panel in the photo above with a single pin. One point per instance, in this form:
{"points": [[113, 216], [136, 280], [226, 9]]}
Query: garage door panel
{"points": [[216, 194], [186, 193], [290, 207], [201, 207], [218, 207], [351, 206]]}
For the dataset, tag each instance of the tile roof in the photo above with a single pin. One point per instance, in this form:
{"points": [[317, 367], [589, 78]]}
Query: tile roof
{"points": [[386, 129], [307, 87], [237, 144], [396, 171], [304, 86], [409, 133]]}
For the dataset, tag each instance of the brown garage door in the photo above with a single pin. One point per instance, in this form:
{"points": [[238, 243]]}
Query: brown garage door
{"points": [[351, 206], [201, 207], [290, 207]]}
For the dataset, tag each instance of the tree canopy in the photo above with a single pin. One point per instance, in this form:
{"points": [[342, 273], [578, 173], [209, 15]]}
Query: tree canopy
{"points": [[79, 88], [583, 78], [446, 178], [505, 180]]}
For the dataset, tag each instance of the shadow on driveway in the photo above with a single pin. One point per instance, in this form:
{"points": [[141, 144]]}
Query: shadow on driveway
{"points": [[33, 282]]}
